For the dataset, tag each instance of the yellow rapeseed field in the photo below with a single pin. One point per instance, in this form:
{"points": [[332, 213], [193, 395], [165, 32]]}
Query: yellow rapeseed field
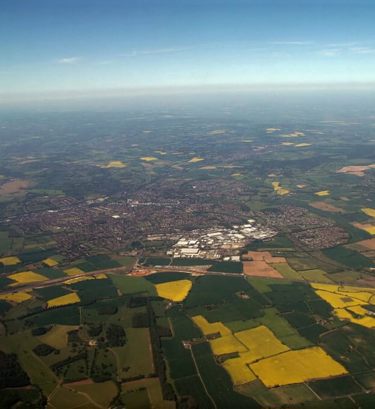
{"points": [[25, 277], [278, 189], [295, 134], [357, 315], [339, 300], [368, 227], [101, 276], [148, 158], [356, 293], [174, 290], [67, 299], [302, 145], [261, 342], [114, 164], [348, 302], [16, 297], [195, 159], [296, 367], [226, 345], [357, 309], [209, 167], [370, 212], [239, 372], [272, 130], [50, 262], [323, 193], [209, 328], [10, 261], [73, 271]]}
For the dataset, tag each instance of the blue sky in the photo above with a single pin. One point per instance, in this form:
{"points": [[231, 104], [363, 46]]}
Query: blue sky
{"points": [[76, 45]]}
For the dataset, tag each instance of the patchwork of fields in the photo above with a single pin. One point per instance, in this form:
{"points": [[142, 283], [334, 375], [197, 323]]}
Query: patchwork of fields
{"points": [[267, 301], [157, 340]]}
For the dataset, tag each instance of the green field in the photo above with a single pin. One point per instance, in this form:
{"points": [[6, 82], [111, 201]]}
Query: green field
{"points": [[132, 285], [135, 358]]}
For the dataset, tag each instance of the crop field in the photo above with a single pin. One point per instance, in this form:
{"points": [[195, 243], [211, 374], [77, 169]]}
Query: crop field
{"points": [[329, 388], [217, 380], [27, 277], [263, 256], [348, 257], [17, 297], [153, 390], [228, 344], [63, 397], [366, 244], [159, 278], [193, 386], [367, 227], [227, 267], [51, 272], [132, 285], [40, 374], [57, 336], [260, 269], [327, 207], [175, 291], [148, 158], [239, 371], [316, 275], [217, 290], [73, 271], [369, 211], [67, 299], [137, 399], [51, 292], [260, 342], [102, 393], [209, 328], [50, 262], [279, 189], [10, 261], [287, 272], [117, 164], [356, 315], [287, 395], [296, 367], [349, 302], [135, 358], [91, 291], [322, 193]]}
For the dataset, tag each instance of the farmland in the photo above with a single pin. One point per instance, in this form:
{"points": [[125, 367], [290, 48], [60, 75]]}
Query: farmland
{"points": [[184, 260]]}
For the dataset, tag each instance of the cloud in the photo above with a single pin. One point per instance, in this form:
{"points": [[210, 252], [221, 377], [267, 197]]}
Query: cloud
{"points": [[333, 50], [136, 53], [330, 52], [291, 42], [362, 50], [105, 62], [69, 60]]}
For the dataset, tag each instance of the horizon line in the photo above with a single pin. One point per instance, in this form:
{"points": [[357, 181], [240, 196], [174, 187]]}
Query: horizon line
{"points": [[123, 92]]}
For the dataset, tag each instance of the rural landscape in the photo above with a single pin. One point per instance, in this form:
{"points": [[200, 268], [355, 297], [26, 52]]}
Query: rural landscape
{"points": [[187, 259]]}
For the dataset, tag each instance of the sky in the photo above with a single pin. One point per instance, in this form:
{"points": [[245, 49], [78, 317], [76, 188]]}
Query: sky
{"points": [[70, 46]]}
